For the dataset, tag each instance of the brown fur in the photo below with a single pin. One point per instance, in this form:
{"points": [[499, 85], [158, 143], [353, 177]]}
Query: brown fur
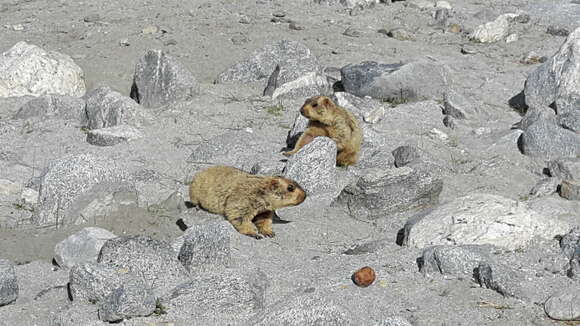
{"points": [[247, 201], [330, 120]]}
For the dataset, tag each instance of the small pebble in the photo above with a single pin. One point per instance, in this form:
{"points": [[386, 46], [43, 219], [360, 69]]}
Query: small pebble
{"points": [[150, 29], [170, 42], [124, 42], [92, 18], [279, 14], [455, 28], [364, 277], [511, 38], [295, 26], [245, 19]]}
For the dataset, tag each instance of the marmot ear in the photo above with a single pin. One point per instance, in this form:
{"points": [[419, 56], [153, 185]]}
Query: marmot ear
{"points": [[274, 184], [327, 102]]}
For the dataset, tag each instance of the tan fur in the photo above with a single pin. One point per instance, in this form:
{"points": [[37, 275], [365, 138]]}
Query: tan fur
{"points": [[330, 120], [247, 201]]}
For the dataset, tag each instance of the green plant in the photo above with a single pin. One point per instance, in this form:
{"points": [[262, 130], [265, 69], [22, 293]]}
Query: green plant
{"points": [[159, 308], [275, 110]]}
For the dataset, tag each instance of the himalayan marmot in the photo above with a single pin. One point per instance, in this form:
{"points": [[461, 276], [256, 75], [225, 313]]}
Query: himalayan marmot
{"points": [[330, 120], [247, 201]]}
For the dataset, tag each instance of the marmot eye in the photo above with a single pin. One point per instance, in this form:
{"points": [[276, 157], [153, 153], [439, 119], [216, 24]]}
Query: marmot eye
{"points": [[314, 105], [290, 188]]}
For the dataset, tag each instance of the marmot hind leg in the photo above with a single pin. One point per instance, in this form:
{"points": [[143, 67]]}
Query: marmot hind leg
{"points": [[264, 224]]}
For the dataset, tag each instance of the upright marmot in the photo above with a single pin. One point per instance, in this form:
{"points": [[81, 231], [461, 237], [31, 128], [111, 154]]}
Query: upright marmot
{"points": [[330, 120], [248, 201]]}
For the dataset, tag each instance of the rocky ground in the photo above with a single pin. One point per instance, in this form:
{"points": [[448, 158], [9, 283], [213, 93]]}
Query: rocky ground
{"points": [[465, 202]]}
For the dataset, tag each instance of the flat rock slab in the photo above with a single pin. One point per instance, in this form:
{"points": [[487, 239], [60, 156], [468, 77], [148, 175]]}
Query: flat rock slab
{"points": [[113, 135], [81, 247], [481, 219]]}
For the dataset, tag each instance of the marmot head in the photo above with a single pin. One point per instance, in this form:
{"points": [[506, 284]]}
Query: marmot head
{"points": [[319, 108], [282, 192]]}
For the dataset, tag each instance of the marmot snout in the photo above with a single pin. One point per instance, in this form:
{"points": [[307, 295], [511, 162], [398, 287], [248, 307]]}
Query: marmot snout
{"points": [[248, 201]]}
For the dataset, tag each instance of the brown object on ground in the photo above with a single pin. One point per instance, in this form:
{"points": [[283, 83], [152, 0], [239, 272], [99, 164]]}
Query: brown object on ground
{"points": [[330, 120], [247, 201], [364, 277]]}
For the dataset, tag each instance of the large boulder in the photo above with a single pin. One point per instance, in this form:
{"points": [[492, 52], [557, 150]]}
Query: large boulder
{"points": [[26, 69], [154, 260], [108, 108], [556, 82], [218, 296], [547, 140], [113, 135], [481, 219], [293, 58], [382, 191], [74, 182], [160, 79], [93, 283], [493, 31], [8, 283], [81, 247], [398, 83], [564, 305]]}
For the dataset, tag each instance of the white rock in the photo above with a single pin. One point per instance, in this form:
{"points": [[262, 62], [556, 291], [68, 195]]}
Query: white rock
{"points": [[482, 219], [81, 247], [29, 196], [494, 31], [512, 38], [374, 116], [8, 187], [443, 4], [309, 85], [26, 69]]}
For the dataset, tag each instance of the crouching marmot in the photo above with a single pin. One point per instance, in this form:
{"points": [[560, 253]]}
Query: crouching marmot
{"points": [[248, 201], [330, 120]]}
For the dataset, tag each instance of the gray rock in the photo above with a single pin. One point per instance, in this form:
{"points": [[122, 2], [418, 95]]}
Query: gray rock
{"points": [[379, 192], [481, 219], [405, 154], [401, 34], [48, 106], [534, 115], [8, 283], [570, 190], [570, 121], [26, 69], [71, 184], [420, 4], [349, 3], [362, 107], [394, 321], [396, 82], [499, 278], [449, 122], [493, 31], [547, 140], [457, 106], [107, 108], [81, 247], [294, 59], [154, 260], [367, 247], [240, 149], [314, 167], [544, 187], [574, 270], [440, 17], [113, 135], [206, 246], [300, 124], [557, 81], [311, 84], [564, 305], [131, 299], [460, 261], [557, 31], [160, 79], [305, 310], [565, 169], [570, 242], [92, 283], [220, 293], [352, 32]]}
